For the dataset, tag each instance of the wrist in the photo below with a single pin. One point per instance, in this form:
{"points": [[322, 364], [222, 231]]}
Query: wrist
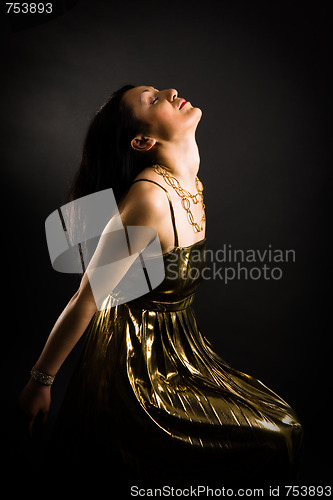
{"points": [[41, 377], [37, 386]]}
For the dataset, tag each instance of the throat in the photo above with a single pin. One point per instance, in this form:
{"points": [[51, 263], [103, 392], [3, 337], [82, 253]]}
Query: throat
{"points": [[182, 162]]}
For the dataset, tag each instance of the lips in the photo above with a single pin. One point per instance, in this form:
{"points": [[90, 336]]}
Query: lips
{"points": [[182, 103]]}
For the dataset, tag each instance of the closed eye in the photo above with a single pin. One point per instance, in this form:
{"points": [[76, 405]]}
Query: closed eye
{"points": [[156, 99]]}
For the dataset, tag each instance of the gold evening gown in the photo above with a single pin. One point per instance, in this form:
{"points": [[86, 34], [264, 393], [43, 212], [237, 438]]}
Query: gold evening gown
{"points": [[152, 402]]}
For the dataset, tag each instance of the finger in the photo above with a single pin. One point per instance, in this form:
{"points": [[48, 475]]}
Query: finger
{"points": [[31, 426], [24, 419], [44, 418], [39, 422]]}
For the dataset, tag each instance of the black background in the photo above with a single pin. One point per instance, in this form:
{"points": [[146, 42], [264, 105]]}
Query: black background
{"points": [[260, 73]]}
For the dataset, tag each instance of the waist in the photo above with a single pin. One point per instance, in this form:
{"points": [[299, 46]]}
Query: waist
{"points": [[164, 306]]}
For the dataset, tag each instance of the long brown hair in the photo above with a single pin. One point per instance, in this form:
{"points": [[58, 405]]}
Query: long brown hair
{"points": [[108, 160]]}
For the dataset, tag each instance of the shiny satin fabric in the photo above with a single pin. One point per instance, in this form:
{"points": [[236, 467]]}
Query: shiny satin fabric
{"points": [[150, 390]]}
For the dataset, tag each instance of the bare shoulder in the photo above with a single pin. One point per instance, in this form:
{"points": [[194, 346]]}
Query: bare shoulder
{"points": [[145, 202]]}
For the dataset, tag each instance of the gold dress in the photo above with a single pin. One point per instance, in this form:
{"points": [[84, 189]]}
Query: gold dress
{"points": [[151, 399]]}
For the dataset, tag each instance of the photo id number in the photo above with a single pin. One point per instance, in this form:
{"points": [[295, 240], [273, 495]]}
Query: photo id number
{"points": [[308, 491], [29, 8]]}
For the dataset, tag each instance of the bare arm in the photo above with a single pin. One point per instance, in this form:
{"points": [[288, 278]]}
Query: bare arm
{"points": [[144, 210], [35, 398], [68, 329], [144, 207]]}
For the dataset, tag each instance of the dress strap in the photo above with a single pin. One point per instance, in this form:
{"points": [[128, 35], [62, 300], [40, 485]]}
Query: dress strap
{"points": [[171, 208]]}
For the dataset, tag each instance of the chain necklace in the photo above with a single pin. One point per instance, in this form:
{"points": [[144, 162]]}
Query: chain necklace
{"points": [[185, 196]]}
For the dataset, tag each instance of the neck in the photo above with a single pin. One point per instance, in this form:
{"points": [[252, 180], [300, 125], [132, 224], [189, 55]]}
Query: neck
{"points": [[181, 160]]}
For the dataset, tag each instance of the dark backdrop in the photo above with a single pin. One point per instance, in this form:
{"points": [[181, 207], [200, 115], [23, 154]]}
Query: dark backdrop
{"points": [[259, 72]]}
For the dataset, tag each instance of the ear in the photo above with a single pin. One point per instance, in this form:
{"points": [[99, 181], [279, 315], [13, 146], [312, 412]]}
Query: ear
{"points": [[140, 143]]}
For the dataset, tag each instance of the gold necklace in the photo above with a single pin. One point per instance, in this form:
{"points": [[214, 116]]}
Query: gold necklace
{"points": [[185, 196]]}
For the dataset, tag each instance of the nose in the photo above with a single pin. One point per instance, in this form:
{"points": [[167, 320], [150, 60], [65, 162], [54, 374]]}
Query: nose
{"points": [[172, 94]]}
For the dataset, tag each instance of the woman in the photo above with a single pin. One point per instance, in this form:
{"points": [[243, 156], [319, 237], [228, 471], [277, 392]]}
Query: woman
{"points": [[149, 396]]}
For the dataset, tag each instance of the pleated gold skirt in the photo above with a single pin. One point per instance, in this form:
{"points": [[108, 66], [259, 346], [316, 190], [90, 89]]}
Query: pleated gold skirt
{"points": [[152, 400]]}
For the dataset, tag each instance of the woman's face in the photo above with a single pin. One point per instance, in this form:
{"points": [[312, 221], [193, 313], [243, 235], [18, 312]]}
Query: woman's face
{"points": [[164, 115]]}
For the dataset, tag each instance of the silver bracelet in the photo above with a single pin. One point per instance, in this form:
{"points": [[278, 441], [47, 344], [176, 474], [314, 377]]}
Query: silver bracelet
{"points": [[41, 377]]}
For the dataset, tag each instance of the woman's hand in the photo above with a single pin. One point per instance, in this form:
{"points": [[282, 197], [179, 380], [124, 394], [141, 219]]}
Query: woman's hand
{"points": [[34, 405]]}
